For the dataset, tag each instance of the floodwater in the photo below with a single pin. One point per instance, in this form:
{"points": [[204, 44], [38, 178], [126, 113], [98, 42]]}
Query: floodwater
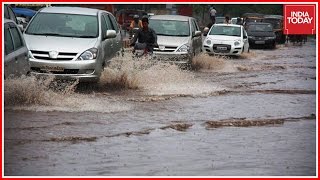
{"points": [[249, 116]]}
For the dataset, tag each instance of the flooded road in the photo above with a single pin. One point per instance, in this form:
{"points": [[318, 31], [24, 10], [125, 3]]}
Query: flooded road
{"points": [[249, 116]]}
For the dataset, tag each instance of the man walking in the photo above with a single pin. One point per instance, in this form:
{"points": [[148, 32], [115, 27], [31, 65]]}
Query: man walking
{"points": [[212, 13]]}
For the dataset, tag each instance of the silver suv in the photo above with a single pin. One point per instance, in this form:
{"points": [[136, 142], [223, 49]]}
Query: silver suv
{"points": [[179, 38], [72, 42]]}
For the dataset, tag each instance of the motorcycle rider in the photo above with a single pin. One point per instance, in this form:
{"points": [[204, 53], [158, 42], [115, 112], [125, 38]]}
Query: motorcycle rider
{"points": [[135, 24], [146, 36]]}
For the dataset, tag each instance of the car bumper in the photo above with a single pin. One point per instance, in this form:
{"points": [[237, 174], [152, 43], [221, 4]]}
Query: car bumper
{"points": [[231, 50], [262, 42], [82, 70], [177, 58]]}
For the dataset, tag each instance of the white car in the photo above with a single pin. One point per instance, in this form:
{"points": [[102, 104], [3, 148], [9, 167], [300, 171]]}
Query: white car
{"points": [[226, 39]]}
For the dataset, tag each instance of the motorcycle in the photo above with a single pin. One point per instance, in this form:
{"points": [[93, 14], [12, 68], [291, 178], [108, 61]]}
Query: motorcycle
{"points": [[133, 32], [140, 50]]}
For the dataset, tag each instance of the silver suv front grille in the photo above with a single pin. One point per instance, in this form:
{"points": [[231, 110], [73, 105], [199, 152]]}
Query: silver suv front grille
{"points": [[62, 56]]}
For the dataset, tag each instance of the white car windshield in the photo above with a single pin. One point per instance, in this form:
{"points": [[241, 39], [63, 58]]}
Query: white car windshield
{"points": [[170, 27], [225, 31], [66, 25]]}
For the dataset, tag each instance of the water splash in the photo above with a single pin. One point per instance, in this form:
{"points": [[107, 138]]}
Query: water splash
{"points": [[46, 94], [153, 77], [219, 64]]}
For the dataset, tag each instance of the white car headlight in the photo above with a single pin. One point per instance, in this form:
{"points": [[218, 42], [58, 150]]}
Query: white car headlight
{"points": [[183, 48], [236, 43], [251, 37], [89, 54], [208, 41]]}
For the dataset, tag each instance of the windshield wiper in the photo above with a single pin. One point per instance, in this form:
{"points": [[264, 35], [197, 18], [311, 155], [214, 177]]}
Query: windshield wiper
{"points": [[46, 34], [84, 36], [181, 35], [165, 35]]}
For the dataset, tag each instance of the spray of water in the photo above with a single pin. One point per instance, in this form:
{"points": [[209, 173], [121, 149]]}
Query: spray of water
{"points": [[47, 94], [152, 76], [28, 91]]}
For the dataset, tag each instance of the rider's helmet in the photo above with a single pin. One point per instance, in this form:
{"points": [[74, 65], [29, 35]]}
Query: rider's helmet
{"points": [[145, 19], [136, 18]]}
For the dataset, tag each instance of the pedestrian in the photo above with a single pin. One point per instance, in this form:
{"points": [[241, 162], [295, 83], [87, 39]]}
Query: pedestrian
{"points": [[239, 21], [227, 20], [212, 13], [135, 24]]}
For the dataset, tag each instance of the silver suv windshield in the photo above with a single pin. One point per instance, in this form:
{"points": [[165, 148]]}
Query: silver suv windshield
{"points": [[226, 31], [65, 25], [170, 27]]}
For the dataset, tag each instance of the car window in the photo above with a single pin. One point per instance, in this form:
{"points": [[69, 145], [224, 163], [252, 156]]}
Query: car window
{"points": [[6, 12], [226, 31], [170, 27], [260, 27], [12, 16], [8, 43], [195, 25], [114, 23], [193, 28], [103, 27], [108, 22], [17, 39], [65, 25]]}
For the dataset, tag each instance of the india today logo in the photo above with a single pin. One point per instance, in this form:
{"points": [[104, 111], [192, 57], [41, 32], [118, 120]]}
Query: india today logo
{"points": [[300, 19]]}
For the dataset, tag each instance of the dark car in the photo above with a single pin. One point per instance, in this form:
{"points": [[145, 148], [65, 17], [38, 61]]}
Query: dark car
{"points": [[261, 34], [277, 23]]}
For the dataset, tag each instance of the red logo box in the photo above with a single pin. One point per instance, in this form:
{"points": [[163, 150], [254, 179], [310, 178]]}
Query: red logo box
{"points": [[300, 19]]}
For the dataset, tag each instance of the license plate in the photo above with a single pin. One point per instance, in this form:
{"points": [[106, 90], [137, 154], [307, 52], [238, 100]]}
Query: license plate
{"points": [[221, 48], [52, 68], [260, 42]]}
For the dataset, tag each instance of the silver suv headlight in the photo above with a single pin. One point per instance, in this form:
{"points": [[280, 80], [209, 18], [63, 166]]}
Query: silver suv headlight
{"points": [[184, 48], [89, 54]]}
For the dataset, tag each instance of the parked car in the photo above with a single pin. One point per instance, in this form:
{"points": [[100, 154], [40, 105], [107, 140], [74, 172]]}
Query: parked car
{"points": [[9, 14], [237, 20], [72, 42], [277, 23], [219, 20], [251, 17], [24, 15], [226, 39], [261, 34], [16, 61], [179, 37]]}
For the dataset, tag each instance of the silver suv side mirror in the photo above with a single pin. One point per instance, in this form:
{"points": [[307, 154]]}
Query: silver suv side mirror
{"points": [[111, 34], [197, 33]]}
